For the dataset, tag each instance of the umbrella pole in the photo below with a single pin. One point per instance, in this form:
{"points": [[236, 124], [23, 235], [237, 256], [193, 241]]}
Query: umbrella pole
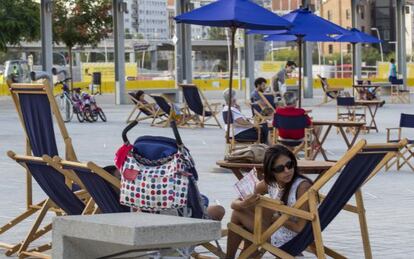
{"points": [[233, 34], [300, 72], [353, 67]]}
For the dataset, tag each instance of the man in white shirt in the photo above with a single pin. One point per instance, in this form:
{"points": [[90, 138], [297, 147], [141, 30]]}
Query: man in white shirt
{"points": [[243, 128]]}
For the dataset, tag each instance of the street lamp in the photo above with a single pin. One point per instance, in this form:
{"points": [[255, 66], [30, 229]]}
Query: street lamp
{"points": [[379, 38]]}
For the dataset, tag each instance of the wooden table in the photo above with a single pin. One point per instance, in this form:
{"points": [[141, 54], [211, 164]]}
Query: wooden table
{"points": [[341, 125], [304, 166], [365, 87], [373, 106]]}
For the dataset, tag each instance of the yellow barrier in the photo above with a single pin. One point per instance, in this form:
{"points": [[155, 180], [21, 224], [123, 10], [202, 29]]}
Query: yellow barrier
{"points": [[205, 85]]}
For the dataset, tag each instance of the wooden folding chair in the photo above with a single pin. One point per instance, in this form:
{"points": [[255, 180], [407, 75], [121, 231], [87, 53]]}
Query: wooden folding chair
{"points": [[359, 165], [147, 110], [330, 93], [257, 113], [406, 152], [348, 110], [267, 101], [293, 123], [234, 143], [61, 200], [197, 108], [167, 108], [35, 105]]}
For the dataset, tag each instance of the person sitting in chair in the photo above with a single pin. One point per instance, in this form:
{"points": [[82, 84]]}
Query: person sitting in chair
{"points": [[260, 86], [243, 128], [282, 182], [290, 137]]}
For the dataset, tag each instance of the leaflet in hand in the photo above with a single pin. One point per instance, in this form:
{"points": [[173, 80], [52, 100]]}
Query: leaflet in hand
{"points": [[247, 184]]}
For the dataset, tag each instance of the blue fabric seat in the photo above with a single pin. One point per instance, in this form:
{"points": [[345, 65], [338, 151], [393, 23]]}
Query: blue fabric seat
{"points": [[198, 110]]}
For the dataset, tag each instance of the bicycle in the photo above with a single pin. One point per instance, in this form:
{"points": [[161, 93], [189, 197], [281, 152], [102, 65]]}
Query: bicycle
{"points": [[68, 103], [91, 109]]}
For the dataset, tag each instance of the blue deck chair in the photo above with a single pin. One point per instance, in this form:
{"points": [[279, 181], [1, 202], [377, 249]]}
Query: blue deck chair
{"points": [[268, 99], [99, 183], [297, 123], [407, 151], [166, 107], [197, 108], [147, 110], [260, 112], [35, 104], [359, 165]]}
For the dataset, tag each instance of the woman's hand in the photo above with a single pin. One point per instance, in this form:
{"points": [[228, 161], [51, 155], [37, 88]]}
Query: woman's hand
{"points": [[250, 201]]}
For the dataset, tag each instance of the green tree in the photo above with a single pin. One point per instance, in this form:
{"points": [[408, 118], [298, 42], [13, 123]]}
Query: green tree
{"points": [[80, 23], [283, 55], [370, 55], [216, 33], [19, 21]]}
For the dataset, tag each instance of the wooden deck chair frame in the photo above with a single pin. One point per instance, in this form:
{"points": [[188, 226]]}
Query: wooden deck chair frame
{"points": [[47, 205], [139, 106], [170, 117], [266, 102], [328, 90], [405, 154], [235, 145], [44, 89], [354, 113], [399, 95], [305, 146], [196, 119], [58, 163], [259, 238], [257, 116]]}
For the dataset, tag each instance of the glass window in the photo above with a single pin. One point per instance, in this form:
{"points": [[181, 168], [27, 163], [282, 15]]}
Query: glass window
{"points": [[330, 48]]}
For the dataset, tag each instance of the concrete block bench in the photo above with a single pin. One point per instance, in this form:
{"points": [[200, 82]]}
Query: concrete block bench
{"points": [[95, 236]]}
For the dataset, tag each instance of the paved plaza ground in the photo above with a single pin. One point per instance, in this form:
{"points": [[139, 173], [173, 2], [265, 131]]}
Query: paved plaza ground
{"points": [[389, 197]]}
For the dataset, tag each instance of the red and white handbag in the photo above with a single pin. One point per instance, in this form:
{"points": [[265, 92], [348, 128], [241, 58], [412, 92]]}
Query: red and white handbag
{"points": [[155, 185]]}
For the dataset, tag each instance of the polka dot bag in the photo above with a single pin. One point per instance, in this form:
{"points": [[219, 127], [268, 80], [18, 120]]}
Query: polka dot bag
{"points": [[156, 185]]}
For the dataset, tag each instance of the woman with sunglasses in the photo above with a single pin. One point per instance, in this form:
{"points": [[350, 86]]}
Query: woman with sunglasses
{"points": [[283, 182]]}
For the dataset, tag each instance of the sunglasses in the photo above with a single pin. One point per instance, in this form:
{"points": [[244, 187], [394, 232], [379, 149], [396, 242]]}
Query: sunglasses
{"points": [[280, 168]]}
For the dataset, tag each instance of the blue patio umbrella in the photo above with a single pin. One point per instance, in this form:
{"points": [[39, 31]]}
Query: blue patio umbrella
{"points": [[305, 23], [290, 37], [355, 36], [234, 14]]}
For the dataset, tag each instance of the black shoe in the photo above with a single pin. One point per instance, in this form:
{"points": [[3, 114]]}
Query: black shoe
{"points": [[382, 104]]}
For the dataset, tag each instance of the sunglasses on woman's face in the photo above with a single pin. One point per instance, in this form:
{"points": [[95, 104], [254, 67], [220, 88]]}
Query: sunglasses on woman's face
{"points": [[280, 168]]}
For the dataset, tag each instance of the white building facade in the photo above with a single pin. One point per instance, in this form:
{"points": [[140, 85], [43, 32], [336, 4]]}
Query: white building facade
{"points": [[148, 18]]}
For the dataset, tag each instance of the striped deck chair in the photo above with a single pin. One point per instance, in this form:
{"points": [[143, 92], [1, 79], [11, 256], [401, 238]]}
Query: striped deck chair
{"points": [[197, 108], [145, 109], [35, 105], [359, 165]]}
